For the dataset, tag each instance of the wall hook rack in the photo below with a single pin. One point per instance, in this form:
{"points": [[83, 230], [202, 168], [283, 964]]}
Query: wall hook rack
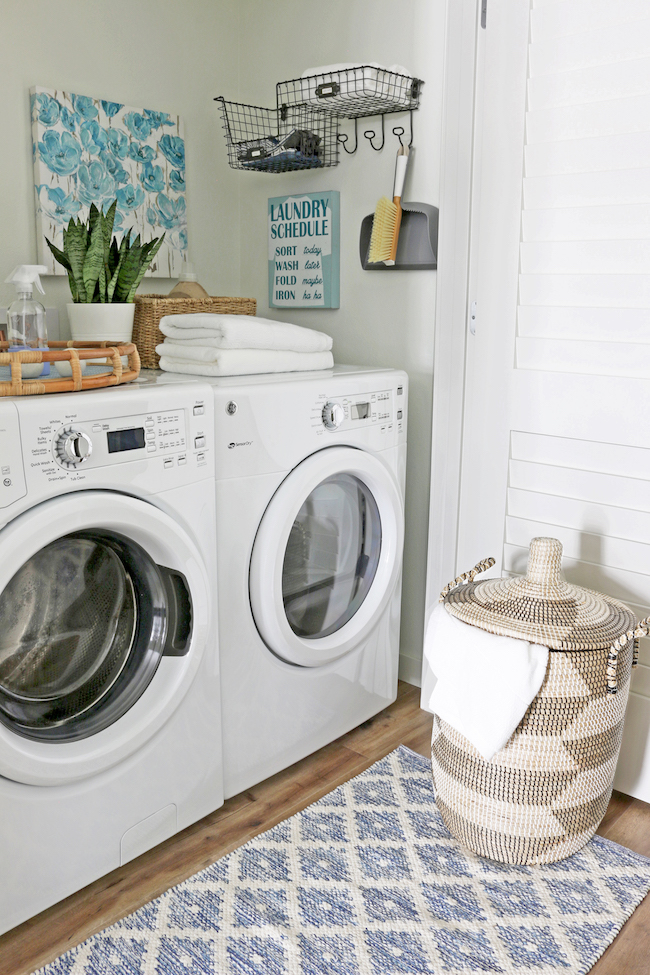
{"points": [[302, 131]]}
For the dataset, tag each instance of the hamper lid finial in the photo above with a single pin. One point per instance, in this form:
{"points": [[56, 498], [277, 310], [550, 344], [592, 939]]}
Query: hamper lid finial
{"points": [[545, 561]]}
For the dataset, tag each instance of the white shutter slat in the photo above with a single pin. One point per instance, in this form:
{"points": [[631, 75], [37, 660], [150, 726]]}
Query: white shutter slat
{"points": [[594, 84], [591, 486], [620, 290], [625, 42], [587, 455], [624, 325], [609, 117], [585, 358], [587, 189], [629, 150], [555, 20], [585, 257], [573, 513], [610, 222]]}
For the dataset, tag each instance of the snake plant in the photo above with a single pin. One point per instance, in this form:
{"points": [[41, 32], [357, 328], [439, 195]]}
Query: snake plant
{"points": [[99, 269]]}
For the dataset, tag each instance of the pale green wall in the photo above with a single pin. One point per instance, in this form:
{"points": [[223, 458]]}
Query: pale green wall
{"points": [[157, 54], [175, 57], [385, 319]]}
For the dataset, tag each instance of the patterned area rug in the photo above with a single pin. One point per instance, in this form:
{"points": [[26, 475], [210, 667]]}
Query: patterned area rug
{"points": [[368, 881]]}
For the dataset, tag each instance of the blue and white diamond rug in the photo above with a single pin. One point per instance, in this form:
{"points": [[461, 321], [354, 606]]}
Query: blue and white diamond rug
{"points": [[368, 881]]}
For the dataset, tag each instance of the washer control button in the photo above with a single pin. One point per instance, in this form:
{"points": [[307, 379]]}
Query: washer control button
{"points": [[199, 409], [200, 458], [168, 462], [72, 448], [148, 423], [199, 442], [399, 414], [151, 447], [181, 460]]}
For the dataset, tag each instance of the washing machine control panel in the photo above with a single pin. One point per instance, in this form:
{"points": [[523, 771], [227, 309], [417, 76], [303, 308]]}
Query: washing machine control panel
{"points": [[99, 442]]}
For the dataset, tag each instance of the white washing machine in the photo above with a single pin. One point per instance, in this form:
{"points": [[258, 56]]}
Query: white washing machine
{"points": [[310, 471], [110, 731]]}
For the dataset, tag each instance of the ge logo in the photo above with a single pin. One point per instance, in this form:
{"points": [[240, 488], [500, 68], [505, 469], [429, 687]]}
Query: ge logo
{"points": [[7, 480], [230, 447]]}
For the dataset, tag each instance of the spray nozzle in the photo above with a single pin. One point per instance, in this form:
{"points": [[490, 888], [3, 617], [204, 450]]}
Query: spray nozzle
{"points": [[25, 276]]}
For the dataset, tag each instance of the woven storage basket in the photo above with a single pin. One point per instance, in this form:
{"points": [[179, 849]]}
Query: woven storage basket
{"points": [[149, 309], [543, 795]]}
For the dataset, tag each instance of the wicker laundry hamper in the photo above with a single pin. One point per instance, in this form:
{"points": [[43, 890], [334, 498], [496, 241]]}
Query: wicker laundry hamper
{"points": [[542, 796]]}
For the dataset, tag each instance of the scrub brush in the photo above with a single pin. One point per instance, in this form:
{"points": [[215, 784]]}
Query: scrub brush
{"points": [[388, 217]]}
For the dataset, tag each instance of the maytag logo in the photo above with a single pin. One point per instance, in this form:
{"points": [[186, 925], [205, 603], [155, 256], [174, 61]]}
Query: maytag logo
{"points": [[242, 443]]}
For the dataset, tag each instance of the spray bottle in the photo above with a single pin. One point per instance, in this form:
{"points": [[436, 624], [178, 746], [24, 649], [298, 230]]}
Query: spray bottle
{"points": [[26, 317]]}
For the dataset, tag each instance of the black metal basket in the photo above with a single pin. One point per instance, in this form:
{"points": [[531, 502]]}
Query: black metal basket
{"points": [[279, 140], [352, 92]]}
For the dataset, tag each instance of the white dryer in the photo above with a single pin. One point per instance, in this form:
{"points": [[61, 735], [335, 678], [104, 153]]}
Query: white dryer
{"points": [[310, 475], [110, 735]]}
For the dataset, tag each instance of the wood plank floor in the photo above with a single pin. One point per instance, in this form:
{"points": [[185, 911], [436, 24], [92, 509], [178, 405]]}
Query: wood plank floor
{"points": [[48, 935]]}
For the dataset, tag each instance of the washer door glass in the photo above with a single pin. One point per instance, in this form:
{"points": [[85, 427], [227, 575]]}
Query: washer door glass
{"points": [[331, 556], [82, 629]]}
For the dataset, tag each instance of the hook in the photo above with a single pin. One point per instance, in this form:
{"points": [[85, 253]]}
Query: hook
{"points": [[342, 138], [399, 132], [370, 134]]}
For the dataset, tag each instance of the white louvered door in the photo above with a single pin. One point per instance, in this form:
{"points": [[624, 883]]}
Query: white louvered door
{"points": [[556, 434]]}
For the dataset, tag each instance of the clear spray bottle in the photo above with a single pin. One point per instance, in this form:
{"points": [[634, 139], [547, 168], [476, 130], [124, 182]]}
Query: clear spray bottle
{"points": [[26, 317]]}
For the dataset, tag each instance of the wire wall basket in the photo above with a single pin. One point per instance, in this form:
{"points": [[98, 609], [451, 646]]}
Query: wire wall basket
{"points": [[279, 140], [352, 92]]}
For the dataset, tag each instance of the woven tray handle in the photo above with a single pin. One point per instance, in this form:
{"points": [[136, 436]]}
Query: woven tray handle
{"points": [[468, 576], [642, 629]]}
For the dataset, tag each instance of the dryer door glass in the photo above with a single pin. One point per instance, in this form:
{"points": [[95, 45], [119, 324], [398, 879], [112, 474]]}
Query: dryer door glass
{"points": [[331, 556], [83, 625]]}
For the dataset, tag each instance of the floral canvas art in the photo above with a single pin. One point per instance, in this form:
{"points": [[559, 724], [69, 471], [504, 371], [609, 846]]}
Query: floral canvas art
{"points": [[88, 150]]}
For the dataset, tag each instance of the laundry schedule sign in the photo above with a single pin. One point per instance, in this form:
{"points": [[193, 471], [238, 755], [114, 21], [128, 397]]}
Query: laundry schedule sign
{"points": [[303, 235]]}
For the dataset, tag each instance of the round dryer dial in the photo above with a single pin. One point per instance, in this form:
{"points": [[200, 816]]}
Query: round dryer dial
{"points": [[333, 415], [72, 447]]}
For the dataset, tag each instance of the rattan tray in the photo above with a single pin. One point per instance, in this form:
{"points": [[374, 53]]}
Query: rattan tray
{"points": [[72, 352]]}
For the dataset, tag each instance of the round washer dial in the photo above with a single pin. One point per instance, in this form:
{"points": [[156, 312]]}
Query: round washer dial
{"points": [[72, 447]]}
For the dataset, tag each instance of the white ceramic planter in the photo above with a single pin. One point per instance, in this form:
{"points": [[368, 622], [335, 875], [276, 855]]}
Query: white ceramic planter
{"points": [[101, 322]]}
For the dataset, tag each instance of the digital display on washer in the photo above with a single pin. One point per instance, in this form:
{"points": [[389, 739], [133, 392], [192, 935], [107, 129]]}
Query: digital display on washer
{"points": [[125, 439], [360, 411]]}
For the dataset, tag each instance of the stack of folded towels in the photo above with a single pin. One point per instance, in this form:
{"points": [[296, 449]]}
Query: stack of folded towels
{"points": [[237, 345]]}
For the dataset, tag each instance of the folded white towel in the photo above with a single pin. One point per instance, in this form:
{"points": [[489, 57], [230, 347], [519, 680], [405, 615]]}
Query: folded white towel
{"points": [[244, 362], [244, 332], [485, 682]]}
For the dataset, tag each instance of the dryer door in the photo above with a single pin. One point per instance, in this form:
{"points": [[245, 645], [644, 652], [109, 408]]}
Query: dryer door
{"points": [[327, 556], [98, 592]]}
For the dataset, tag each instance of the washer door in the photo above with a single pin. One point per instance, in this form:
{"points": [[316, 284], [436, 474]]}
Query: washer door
{"points": [[327, 556], [96, 591]]}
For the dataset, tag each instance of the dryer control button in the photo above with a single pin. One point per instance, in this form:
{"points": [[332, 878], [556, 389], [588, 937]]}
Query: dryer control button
{"points": [[333, 415]]}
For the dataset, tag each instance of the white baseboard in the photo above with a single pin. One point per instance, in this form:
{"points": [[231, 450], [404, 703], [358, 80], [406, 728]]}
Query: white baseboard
{"points": [[410, 670]]}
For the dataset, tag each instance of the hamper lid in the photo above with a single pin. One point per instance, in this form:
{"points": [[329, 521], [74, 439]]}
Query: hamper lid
{"points": [[542, 607]]}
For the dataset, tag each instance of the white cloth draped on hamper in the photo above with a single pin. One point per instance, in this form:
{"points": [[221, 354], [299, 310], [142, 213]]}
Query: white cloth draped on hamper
{"points": [[485, 682], [244, 362], [243, 332]]}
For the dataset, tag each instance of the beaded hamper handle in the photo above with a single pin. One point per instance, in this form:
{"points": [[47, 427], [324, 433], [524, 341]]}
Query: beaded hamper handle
{"points": [[468, 576], [642, 629]]}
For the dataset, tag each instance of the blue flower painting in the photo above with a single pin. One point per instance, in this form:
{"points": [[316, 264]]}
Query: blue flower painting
{"points": [[90, 150]]}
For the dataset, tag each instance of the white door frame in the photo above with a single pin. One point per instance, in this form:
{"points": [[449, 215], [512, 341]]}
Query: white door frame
{"points": [[460, 146]]}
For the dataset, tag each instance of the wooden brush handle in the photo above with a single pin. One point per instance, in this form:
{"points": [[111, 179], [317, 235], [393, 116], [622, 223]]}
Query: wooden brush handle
{"points": [[400, 175]]}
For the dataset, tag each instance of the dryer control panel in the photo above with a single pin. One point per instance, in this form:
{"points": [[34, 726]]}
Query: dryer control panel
{"points": [[382, 407]]}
